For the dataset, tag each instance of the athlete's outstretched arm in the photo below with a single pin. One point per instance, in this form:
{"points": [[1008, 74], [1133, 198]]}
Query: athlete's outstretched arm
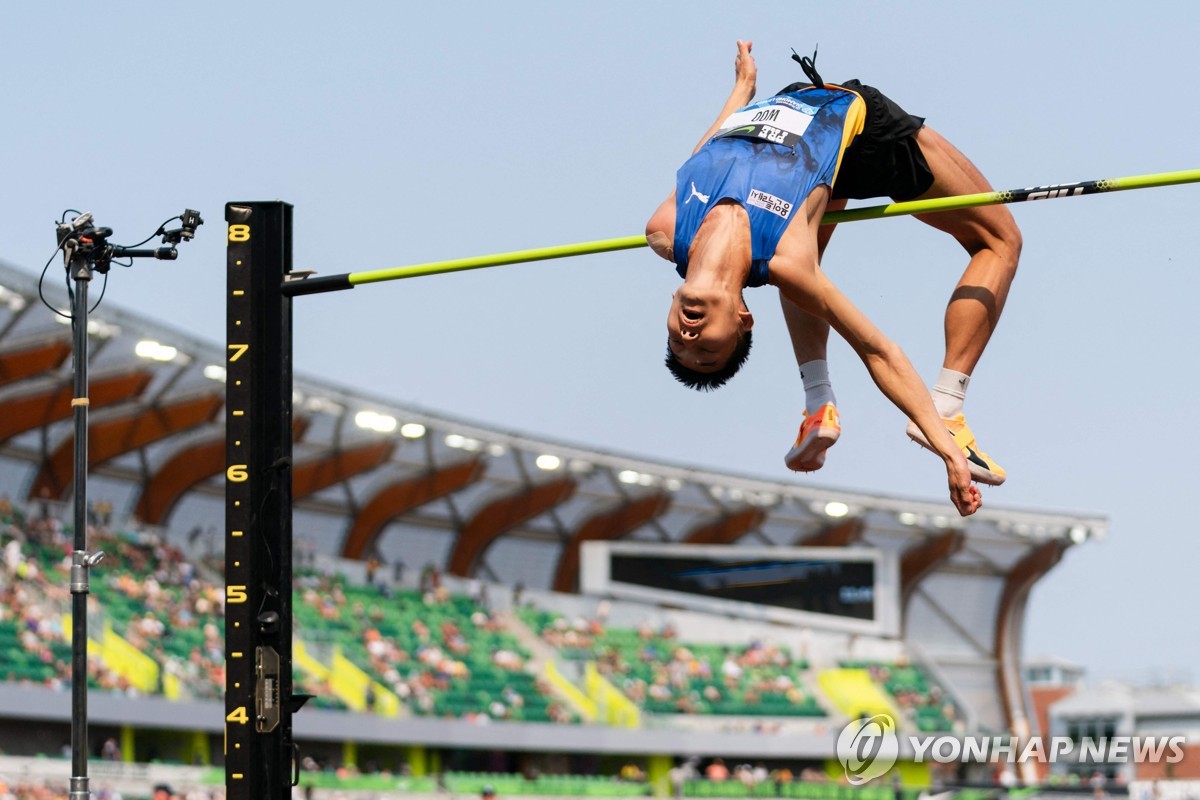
{"points": [[744, 82], [660, 229], [806, 285]]}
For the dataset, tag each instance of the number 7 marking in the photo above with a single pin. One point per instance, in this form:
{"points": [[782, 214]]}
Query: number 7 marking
{"points": [[238, 351]]}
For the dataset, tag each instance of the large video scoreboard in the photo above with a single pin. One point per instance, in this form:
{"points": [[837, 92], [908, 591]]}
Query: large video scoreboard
{"points": [[850, 589]]}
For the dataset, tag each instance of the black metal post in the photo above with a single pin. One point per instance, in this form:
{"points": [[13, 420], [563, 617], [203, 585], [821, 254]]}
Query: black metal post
{"points": [[260, 759], [80, 268]]}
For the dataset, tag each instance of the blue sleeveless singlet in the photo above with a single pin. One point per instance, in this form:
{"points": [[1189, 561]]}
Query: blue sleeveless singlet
{"points": [[768, 156]]}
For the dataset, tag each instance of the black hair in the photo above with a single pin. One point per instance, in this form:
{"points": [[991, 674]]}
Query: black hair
{"points": [[708, 381]]}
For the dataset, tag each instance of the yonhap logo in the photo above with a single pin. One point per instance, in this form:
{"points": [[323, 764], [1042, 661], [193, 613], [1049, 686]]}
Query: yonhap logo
{"points": [[868, 748]]}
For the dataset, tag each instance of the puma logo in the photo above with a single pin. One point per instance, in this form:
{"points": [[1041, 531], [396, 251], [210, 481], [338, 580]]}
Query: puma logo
{"points": [[703, 197]]}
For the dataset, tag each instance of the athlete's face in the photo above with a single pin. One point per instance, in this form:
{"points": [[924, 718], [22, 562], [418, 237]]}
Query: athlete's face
{"points": [[703, 327]]}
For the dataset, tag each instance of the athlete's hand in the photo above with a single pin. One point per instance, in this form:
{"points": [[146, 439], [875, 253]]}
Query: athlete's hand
{"points": [[744, 69], [964, 494]]}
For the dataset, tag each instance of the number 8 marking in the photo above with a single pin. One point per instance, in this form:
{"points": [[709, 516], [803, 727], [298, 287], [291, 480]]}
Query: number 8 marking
{"points": [[239, 233]]}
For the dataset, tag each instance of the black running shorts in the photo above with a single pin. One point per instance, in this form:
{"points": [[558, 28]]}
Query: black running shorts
{"points": [[885, 159]]}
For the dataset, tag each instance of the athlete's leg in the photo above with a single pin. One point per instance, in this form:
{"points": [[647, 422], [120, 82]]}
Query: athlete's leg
{"points": [[810, 339], [991, 237], [809, 334]]}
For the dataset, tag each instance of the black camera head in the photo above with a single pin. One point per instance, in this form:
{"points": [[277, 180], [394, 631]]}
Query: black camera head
{"points": [[189, 220]]}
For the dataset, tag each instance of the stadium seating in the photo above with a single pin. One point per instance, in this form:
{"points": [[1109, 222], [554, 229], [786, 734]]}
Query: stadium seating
{"points": [[442, 655], [436, 653], [151, 600], [665, 676], [922, 702]]}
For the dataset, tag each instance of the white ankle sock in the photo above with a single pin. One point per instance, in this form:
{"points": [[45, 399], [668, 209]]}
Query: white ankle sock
{"points": [[949, 391], [817, 388]]}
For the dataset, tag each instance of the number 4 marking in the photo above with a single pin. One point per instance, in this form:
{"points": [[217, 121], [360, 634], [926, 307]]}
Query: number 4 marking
{"points": [[238, 351]]}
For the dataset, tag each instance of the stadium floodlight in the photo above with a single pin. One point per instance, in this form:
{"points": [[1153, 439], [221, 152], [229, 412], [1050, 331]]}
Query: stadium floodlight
{"points": [[95, 327], [14, 301], [412, 430], [579, 466], [215, 372], [471, 445], [374, 421], [495, 450], [646, 479], [102, 329], [673, 484], [765, 499], [1078, 534], [547, 461], [628, 476], [148, 348], [454, 440], [323, 405], [836, 508]]}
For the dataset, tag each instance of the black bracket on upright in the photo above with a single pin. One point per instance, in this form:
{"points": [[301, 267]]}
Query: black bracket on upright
{"points": [[260, 758]]}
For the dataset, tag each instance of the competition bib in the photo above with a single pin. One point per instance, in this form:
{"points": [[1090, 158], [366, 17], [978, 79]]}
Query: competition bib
{"points": [[776, 124]]}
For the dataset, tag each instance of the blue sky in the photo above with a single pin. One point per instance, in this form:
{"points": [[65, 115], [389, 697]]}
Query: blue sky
{"points": [[412, 132]]}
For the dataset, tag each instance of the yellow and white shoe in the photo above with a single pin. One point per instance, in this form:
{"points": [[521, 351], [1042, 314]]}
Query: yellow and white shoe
{"points": [[983, 468], [817, 434]]}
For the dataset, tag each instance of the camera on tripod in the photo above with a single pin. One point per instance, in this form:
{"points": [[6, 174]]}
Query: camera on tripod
{"points": [[81, 239]]}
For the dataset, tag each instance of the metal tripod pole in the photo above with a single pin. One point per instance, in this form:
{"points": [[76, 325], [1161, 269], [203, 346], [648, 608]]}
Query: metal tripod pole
{"points": [[80, 268]]}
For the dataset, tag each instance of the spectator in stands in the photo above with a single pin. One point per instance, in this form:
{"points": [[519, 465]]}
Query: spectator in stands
{"points": [[717, 771], [632, 773], [110, 750], [507, 659], [680, 774], [731, 671]]}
